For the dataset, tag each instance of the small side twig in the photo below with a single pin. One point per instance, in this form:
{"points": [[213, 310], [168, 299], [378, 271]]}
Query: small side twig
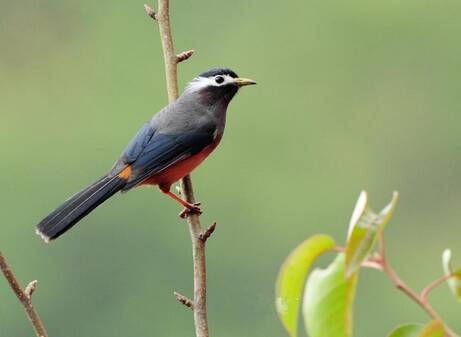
{"points": [[425, 292], [402, 286], [372, 264], [24, 296], [204, 235], [31, 288], [184, 55], [184, 300], [150, 11], [338, 249]]}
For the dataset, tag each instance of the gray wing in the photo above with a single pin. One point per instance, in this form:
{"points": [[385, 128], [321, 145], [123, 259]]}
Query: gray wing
{"points": [[151, 151]]}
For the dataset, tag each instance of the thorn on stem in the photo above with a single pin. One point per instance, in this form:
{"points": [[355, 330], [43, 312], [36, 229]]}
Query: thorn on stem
{"points": [[31, 288], [184, 300], [149, 10], [184, 56], [207, 232]]}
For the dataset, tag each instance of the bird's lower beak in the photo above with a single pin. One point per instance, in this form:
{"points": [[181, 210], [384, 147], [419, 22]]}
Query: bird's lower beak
{"points": [[240, 81]]}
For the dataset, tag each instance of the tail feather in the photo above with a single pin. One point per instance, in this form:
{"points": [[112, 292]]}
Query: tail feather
{"points": [[78, 206]]}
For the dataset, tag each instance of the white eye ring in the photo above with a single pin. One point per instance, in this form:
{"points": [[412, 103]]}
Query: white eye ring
{"points": [[219, 79]]}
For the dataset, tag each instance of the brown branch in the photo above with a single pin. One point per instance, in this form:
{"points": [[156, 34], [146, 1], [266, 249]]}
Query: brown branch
{"points": [[169, 56], [198, 255], [338, 249], [150, 11], [24, 296], [31, 288], [184, 55], [425, 292], [184, 300], [372, 264], [402, 286], [204, 235], [195, 229]]}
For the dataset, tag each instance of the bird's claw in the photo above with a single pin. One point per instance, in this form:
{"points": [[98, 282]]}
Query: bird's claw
{"points": [[191, 209]]}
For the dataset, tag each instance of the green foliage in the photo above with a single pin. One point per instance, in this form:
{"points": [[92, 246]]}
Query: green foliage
{"points": [[329, 293], [364, 228], [406, 330], [328, 301], [432, 329], [290, 281], [454, 282]]}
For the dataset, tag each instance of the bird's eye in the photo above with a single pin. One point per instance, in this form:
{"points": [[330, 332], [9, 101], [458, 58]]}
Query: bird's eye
{"points": [[219, 79]]}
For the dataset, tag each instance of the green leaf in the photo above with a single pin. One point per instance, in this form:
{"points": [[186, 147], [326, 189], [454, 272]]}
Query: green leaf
{"points": [[364, 227], [454, 282], [328, 301], [406, 330], [432, 329], [387, 212], [292, 275]]}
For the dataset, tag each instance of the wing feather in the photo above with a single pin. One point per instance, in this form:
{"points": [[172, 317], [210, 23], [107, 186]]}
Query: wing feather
{"points": [[161, 151]]}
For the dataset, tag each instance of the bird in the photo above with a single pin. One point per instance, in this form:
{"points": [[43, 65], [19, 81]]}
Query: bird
{"points": [[165, 149]]}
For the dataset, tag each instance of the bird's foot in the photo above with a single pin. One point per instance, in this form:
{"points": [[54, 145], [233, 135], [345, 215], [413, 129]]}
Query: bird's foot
{"points": [[191, 209]]}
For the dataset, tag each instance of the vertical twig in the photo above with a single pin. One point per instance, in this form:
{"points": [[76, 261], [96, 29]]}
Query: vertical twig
{"points": [[24, 296], [195, 229], [169, 56]]}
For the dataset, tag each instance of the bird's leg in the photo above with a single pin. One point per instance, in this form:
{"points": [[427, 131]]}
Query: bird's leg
{"points": [[189, 208]]}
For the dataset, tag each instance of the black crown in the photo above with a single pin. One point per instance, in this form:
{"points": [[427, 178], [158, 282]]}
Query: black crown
{"points": [[219, 71]]}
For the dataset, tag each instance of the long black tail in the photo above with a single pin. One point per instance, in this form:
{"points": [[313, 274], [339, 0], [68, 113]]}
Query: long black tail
{"points": [[78, 206]]}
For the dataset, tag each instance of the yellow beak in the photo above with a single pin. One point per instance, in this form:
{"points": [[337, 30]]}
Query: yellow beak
{"points": [[243, 81]]}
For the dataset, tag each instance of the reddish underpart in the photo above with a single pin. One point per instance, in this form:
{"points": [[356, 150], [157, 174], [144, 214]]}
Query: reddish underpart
{"points": [[175, 172]]}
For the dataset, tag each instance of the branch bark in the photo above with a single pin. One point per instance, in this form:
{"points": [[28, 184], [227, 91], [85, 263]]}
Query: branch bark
{"points": [[431, 286], [195, 229], [421, 300], [24, 296]]}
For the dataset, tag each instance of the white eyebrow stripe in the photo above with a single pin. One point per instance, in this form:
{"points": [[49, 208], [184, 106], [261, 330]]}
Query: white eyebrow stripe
{"points": [[202, 82]]}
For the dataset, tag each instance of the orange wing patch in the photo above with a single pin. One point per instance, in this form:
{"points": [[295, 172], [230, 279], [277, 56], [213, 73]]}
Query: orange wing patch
{"points": [[125, 174]]}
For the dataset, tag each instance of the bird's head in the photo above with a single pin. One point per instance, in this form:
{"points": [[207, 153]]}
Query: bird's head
{"points": [[217, 85]]}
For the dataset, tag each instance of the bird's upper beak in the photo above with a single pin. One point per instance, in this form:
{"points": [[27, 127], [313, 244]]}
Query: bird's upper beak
{"points": [[240, 81]]}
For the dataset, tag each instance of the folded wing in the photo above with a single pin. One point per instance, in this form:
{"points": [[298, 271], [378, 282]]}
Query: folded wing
{"points": [[151, 152]]}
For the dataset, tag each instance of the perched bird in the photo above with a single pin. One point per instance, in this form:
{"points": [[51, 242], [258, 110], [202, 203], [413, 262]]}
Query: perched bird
{"points": [[167, 148]]}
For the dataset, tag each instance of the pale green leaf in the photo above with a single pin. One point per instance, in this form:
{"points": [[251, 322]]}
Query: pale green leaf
{"points": [[432, 329], [454, 282], [364, 227], [328, 301], [292, 275], [407, 330], [386, 213]]}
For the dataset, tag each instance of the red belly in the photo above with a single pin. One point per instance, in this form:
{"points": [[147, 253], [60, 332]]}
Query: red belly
{"points": [[179, 170]]}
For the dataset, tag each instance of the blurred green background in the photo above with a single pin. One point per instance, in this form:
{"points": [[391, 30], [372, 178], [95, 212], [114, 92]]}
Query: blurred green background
{"points": [[352, 95]]}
